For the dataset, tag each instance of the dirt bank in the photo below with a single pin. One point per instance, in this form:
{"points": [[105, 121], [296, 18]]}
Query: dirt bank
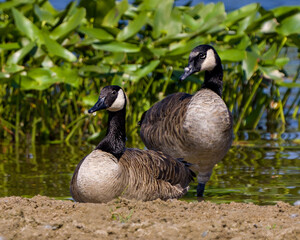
{"points": [[44, 218]]}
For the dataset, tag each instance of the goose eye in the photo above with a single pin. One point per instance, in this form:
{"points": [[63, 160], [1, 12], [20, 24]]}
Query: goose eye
{"points": [[202, 55], [114, 92]]}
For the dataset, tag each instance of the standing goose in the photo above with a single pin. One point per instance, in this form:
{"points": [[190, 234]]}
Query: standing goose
{"points": [[111, 170], [196, 127]]}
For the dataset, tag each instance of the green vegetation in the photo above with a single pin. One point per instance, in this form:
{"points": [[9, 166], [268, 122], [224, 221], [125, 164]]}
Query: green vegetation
{"points": [[55, 62]]}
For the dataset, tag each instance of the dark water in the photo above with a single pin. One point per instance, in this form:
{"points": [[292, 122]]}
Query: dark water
{"points": [[261, 168]]}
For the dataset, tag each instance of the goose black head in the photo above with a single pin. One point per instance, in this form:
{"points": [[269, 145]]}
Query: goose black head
{"points": [[112, 98], [202, 58]]}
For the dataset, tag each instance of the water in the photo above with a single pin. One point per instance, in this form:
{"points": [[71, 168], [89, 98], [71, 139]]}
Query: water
{"points": [[260, 167]]}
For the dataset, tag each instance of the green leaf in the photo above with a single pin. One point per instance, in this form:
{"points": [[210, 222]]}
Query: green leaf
{"points": [[232, 55], [142, 72], [20, 54], [96, 10], [4, 75], [69, 25], [42, 76], [90, 100], [117, 47], [37, 79], [271, 53], [162, 17], [271, 73], [290, 25], [87, 69], [9, 46], [66, 75], [280, 62], [241, 13], [96, 33], [250, 64], [148, 5], [288, 84], [133, 27], [13, 68], [26, 26], [184, 47], [12, 4], [285, 10], [113, 17], [56, 49], [44, 15]]}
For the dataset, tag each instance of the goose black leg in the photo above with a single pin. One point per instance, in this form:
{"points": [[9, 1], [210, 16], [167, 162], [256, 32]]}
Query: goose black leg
{"points": [[200, 189]]}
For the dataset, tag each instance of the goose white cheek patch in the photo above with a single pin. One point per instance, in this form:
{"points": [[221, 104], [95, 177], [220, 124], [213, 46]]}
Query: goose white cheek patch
{"points": [[209, 62], [119, 103]]}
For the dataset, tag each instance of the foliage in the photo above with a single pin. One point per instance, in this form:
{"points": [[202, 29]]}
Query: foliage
{"points": [[55, 62]]}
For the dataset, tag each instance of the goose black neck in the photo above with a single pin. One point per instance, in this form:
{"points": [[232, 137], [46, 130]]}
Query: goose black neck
{"points": [[213, 80], [114, 141]]}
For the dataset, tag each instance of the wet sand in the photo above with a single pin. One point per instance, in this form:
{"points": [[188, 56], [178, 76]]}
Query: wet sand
{"points": [[44, 218]]}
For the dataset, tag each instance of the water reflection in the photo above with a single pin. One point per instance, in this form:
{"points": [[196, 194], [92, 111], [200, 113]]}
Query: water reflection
{"points": [[258, 168]]}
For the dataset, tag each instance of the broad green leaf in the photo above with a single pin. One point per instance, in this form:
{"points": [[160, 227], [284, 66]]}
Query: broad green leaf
{"points": [[44, 15], [13, 68], [271, 73], [66, 75], [69, 25], [96, 33], [37, 79], [161, 18], [12, 4], [117, 80], [117, 47], [42, 76], [271, 53], [114, 15], [285, 10], [9, 46], [290, 25], [114, 58], [20, 54], [250, 64], [184, 47], [280, 62], [90, 100], [133, 27], [4, 75], [241, 13], [85, 70], [232, 55], [148, 5], [97, 10], [56, 49], [26, 26], [189, 21], [142, 72]]}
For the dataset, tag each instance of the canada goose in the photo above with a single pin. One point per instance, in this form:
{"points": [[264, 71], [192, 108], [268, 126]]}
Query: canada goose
{"points": [[111, 170], [195, 127]]}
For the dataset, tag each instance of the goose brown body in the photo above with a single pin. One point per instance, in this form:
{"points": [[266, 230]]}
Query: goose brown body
{"points": [[139, 174], [195, 127], [111, 170]]}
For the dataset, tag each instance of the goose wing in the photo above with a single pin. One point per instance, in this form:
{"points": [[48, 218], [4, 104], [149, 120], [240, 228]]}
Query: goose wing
{"points": [[160, 166], [172, 104]]}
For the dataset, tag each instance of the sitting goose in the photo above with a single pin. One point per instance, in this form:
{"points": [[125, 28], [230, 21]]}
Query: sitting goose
{"points": [[195, 127], [111, 170]]}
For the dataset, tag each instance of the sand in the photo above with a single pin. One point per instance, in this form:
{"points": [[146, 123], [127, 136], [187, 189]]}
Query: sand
{"points": [[44, 218]]}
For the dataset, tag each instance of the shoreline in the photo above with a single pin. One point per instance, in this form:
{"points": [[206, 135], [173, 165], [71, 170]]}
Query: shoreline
{"points": [[45, 218]]}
